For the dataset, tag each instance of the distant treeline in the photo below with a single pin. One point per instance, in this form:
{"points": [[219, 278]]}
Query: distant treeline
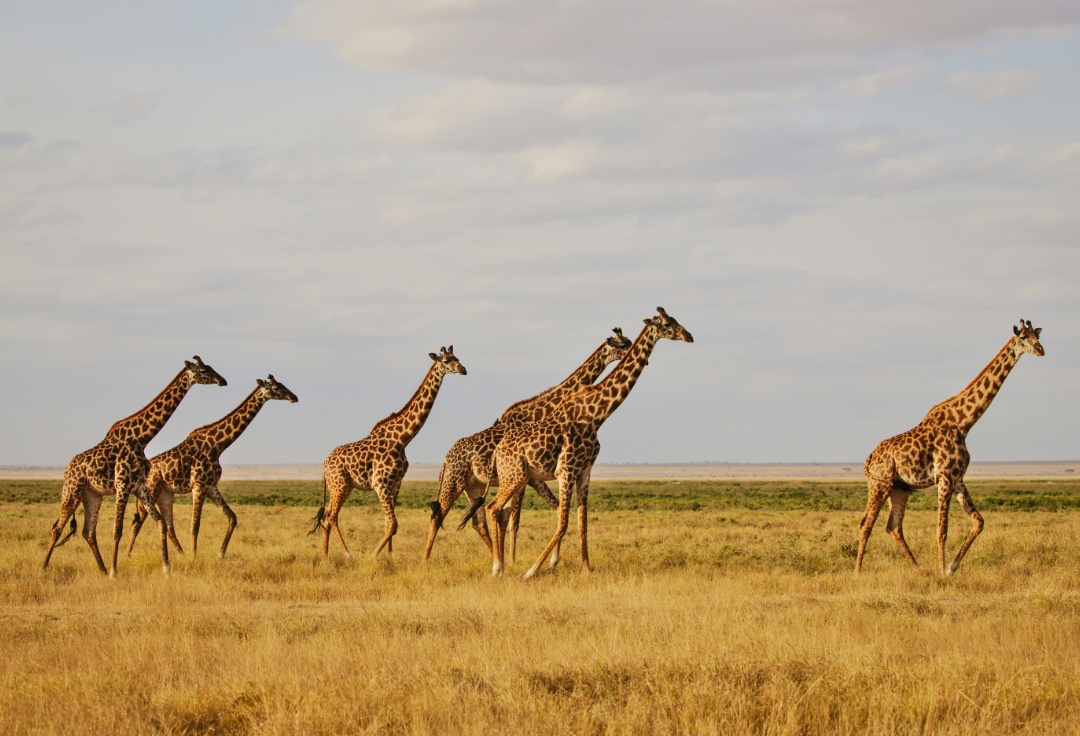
{"points": [[667, 495]]}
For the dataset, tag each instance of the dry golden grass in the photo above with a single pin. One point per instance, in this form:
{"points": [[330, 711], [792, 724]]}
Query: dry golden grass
{"points": [[693, 622]]}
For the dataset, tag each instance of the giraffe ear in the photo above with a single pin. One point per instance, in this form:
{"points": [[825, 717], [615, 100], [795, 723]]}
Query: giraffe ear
{"points": [[261, 382], [433, 356], [1016, 330], [188, 364], [270, 378], [1038, 332]]}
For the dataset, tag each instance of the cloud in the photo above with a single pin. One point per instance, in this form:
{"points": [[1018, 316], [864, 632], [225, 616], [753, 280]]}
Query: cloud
{"points": [[611, 41], [18, 98], [876, 83], [130, 108], [988, 86], [14, 139], [550, 164]]}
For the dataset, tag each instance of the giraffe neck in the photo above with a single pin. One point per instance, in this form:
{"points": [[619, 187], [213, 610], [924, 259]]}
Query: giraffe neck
{"points": [[544, 404], [966, 407], [222, 433], [405, 424], [594, 404], [143, 425]]}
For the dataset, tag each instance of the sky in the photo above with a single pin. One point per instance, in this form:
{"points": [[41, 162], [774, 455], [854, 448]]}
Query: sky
{"points": [[849, 205]]}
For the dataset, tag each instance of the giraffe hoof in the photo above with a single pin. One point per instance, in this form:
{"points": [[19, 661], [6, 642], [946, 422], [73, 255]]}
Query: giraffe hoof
{"points": [[952, 568], [165, 569], [112, 574], [530, 574]]}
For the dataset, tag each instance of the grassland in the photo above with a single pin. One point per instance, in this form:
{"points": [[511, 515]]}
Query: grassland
{"points": [[714, 607]]}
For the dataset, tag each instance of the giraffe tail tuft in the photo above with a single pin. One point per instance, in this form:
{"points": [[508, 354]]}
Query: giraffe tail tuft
{"points": [[73, 527], [471, 512], [316, 521], [436, 514]]}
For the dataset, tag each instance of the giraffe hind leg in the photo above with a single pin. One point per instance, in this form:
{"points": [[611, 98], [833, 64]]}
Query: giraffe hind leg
{"points": [[897, 505], [877, 493], [91, 506], [976, 525], [70, 498]]}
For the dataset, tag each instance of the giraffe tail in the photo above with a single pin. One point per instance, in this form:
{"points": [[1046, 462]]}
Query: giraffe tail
{"points": [[316, 520], [471, 512], [72, 528], [436, 514], [436, 509]]}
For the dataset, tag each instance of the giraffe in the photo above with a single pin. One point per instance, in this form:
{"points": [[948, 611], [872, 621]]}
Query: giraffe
{"points": [[935, 452], [118, 465], [565, 446], [378, 461], [468, 468], [194, 466]]}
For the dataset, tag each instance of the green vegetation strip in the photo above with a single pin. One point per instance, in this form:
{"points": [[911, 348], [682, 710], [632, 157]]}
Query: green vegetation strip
{"points": [[648, 495]]}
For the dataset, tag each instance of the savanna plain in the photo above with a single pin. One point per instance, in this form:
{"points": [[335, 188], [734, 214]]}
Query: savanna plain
{"points": [[713, 607]]}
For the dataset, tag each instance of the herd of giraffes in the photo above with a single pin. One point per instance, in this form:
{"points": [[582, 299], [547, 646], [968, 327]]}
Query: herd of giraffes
{"points": [[549, 437]]}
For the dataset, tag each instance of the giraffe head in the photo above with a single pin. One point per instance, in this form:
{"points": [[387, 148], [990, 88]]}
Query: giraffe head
{"points": [[202, 373], [668, 327], [615, 347], [446, 362], [1027, 337], [275, 390]]}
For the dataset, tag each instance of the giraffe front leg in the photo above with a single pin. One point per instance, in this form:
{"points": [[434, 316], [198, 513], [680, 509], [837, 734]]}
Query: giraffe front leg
{"points": [[876, 495], [945, 494], [165, 507], [118, 526], [976, 524], [387, 499], [513, 522], [511, 482], [197, 500], [566, 491], [142, 496], [136, 524], [583, 520], [215, 495]]}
